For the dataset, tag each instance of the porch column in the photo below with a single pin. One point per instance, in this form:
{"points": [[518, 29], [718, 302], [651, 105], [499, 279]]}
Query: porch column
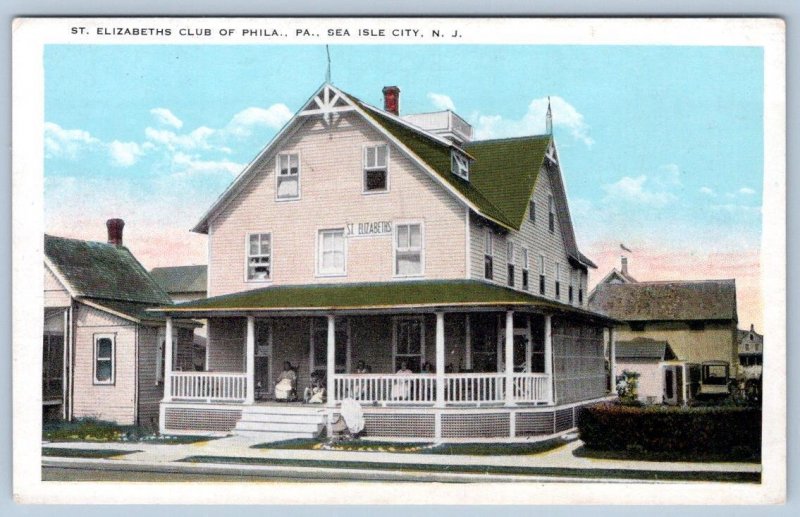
{"points": [[331, 362], [250, 360], [509, 358], [168, 361], [64, 365], [467, 343], [440, 359], [548, 355], [612, 358]]}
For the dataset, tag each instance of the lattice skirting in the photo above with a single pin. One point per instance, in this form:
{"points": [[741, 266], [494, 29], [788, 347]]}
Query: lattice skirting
{"points": [[201, 419], [400, 425], [475, 425], [534, 424]]}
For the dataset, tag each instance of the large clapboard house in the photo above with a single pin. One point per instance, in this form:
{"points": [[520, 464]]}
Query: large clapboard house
{"points": [[360, 239]]}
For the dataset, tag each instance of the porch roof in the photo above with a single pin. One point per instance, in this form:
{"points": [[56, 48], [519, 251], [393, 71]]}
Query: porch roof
{"points": [[370, 297]]}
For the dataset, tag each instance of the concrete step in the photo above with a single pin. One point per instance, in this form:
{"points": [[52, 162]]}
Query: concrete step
{"points": [[282, 427], [270, 436], [287, 418]]}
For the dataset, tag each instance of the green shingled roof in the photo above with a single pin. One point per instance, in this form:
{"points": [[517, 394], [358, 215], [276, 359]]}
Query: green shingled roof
{"points": [[181, 279], [104, 271], [377, 295], [505, 172]]}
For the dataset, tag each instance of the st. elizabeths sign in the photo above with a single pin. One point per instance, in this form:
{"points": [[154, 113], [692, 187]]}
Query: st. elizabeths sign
{"points": [[368, 229]]}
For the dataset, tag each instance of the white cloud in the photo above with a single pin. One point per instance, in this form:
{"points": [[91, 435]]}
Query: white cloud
{"points": [[66, 142], [197, 139], [187, 165], [441, 101], [124, 154], [166, 117], [274, 117], [708, 191], [637, 190], [532, 122], [747, 191]]}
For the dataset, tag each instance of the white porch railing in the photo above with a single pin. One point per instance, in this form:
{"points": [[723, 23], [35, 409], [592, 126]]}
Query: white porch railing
{"points": [[532, 387], [474, 388], [209, 386], [386, 388], [460, 388]]}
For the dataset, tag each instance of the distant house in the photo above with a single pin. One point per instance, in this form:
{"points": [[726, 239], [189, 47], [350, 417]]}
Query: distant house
{"points": [[102, 351], [696, 318], [620, 276], [186, 284], [646, 357], [751, 353]]}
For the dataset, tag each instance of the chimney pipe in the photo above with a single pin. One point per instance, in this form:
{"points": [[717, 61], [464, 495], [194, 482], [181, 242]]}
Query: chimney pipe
{"points": [[115, 227], [391, 99], [624, 265]]}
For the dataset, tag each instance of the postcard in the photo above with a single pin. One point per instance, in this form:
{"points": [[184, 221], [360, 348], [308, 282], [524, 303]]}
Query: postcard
{"points": [[341, 254]]}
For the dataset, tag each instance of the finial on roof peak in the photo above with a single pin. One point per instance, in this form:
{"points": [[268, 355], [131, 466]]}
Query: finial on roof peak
{"points": [[549, 118]]}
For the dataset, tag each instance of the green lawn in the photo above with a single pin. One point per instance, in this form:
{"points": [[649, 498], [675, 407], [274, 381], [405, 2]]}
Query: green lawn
{"points": [[646, 475], [735, 456], [91, 430], [472, 449], [83, 453]]}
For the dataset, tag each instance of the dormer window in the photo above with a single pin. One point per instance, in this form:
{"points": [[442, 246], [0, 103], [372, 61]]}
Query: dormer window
{"points": [[460, 165]]}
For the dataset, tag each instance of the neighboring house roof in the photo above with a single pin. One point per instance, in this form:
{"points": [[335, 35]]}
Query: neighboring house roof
{"points": [[181, 279], [618, 277], [750, 337], [502, 174], [375, 295], [104, 274], [644, 348], [667, 301]]}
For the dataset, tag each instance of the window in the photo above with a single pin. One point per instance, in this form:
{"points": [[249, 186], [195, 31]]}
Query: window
{"points": [[460, 165], [558, 280], [408, 250], [319, 344], [488, 255], [541, 274], [331, 258], [104, 358], [409, 340], [376, 168], [525, 269], [570, 294], [715, 374], [288, 176], [259, 257], [552, 214], [580, 296], [510, 260], [532, 211]]}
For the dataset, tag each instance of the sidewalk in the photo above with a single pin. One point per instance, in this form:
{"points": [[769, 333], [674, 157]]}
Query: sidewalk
{"points": [[228, 450]]}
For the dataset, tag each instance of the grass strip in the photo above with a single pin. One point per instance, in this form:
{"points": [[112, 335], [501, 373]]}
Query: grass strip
{"points": [[602, 473], [635, 455], [91, 430], [472, 449], [83, 453]]}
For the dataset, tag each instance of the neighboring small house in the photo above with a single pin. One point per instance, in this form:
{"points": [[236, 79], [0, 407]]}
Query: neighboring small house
{"points": [[644, 356], [619, 277], [698, 319], [102, 351], [751, 353], [186, 284]]}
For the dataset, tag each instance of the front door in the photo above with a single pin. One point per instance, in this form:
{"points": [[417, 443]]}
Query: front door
{"points": [[263, 360], [670, 385]]}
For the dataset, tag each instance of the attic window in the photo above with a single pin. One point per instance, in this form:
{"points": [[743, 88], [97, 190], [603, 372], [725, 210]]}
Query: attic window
{"points": [[460, 165]]}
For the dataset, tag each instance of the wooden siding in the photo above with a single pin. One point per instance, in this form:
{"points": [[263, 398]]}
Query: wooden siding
{"points": [[55, 294], [114, 402], [717, 342], [578, 360], [150, 391], [332, 195], [650, 377], [538, 240]]}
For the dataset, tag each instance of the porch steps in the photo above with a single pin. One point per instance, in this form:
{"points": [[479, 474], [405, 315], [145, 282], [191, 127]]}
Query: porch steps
{"points": [[283, 422]]}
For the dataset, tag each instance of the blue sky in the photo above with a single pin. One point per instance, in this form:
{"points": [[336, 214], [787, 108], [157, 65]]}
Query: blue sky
{"points": [[661, 147]]}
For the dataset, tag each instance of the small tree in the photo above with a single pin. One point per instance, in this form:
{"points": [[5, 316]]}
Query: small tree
{"points": [[628, 387]]}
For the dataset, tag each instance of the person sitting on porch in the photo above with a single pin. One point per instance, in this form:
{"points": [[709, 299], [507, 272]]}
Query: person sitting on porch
{"points": [[361, 367], [400, 388], [427, 367], [285, 389], [315, 393]]}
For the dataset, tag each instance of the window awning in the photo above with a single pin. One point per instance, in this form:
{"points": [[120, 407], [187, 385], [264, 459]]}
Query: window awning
{"points": [[399, 296]]}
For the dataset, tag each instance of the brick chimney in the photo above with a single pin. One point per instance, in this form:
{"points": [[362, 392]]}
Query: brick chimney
{"points": [[391, 99], [624, 265], [115, 227]]}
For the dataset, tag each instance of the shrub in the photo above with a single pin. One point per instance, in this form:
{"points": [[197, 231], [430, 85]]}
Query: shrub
{"points": [[700, 430]]}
